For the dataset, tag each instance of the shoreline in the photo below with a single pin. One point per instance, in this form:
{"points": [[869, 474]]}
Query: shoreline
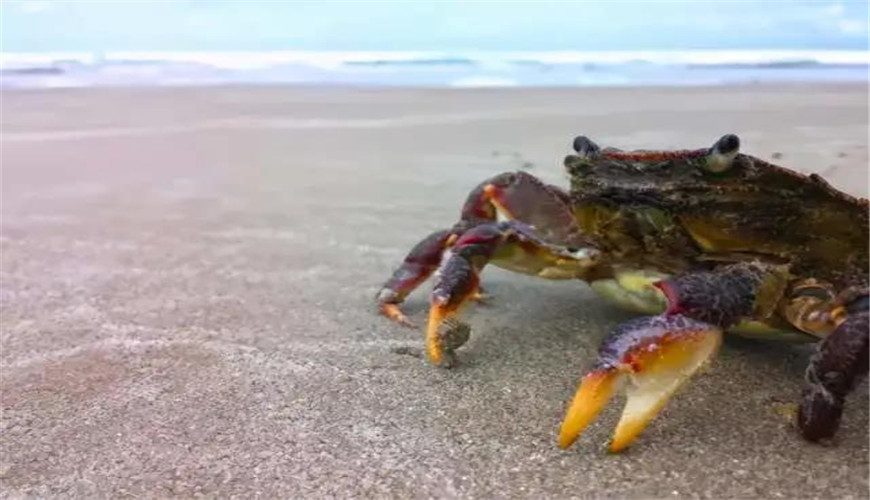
{"points": [[289, 86]]}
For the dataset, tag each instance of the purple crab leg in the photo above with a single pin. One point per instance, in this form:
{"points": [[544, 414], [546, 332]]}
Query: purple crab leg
{"points": [[459, 276], [840, 361], [420, 263], [516, 196], [458, 281]]}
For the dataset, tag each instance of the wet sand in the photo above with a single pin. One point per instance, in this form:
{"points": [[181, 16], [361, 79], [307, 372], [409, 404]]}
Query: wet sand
{"points": [[187, 299]]}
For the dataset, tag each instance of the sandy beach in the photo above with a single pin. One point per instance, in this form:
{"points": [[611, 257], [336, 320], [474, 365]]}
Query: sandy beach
{"points": [[187, 292]]}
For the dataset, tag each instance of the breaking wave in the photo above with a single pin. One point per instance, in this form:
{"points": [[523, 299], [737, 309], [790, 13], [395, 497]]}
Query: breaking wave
{"points": [[412, 68]]}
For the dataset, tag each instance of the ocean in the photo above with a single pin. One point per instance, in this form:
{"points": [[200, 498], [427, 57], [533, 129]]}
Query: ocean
{"points": [[432, 69]]}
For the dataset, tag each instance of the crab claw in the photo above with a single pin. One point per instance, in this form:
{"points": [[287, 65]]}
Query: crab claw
{"points": [[458, 283], [523, 197], [655, 356], [723, 152]]}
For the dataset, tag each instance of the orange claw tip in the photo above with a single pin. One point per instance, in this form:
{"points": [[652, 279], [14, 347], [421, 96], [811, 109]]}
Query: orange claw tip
{"points": [[393, 312], [491, 193], [595, 391], [661, 373], [434, 349], [626, 433]]}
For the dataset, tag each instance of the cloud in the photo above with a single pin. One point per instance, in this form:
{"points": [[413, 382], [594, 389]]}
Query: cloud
{"points": [[835, 10], [853, 27], [847, 23], [33, 6]]}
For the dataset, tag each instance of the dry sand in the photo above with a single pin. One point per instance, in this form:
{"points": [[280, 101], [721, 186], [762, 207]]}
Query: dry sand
{"points": [[187, 290]]}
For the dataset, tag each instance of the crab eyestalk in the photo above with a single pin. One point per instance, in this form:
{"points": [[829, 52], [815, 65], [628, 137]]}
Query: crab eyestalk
{"points": [[585, 148], [652, 358], [721, 155]]}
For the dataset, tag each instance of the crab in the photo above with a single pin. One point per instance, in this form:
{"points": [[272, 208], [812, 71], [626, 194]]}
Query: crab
{"points": [[701, 242]]}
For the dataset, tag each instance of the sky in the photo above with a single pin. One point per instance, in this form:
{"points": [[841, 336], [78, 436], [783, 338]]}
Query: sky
{"points": [[213, 25]]}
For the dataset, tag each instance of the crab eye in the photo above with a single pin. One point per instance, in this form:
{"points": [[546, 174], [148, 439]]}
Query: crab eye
{"points": [[585, 147], [721, 155]]}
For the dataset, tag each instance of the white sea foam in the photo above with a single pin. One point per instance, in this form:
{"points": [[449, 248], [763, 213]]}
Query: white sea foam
{"points": [[483, 81], [256, 60], [696, 57], [243, 60], [23, 60], [454, 68]]}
